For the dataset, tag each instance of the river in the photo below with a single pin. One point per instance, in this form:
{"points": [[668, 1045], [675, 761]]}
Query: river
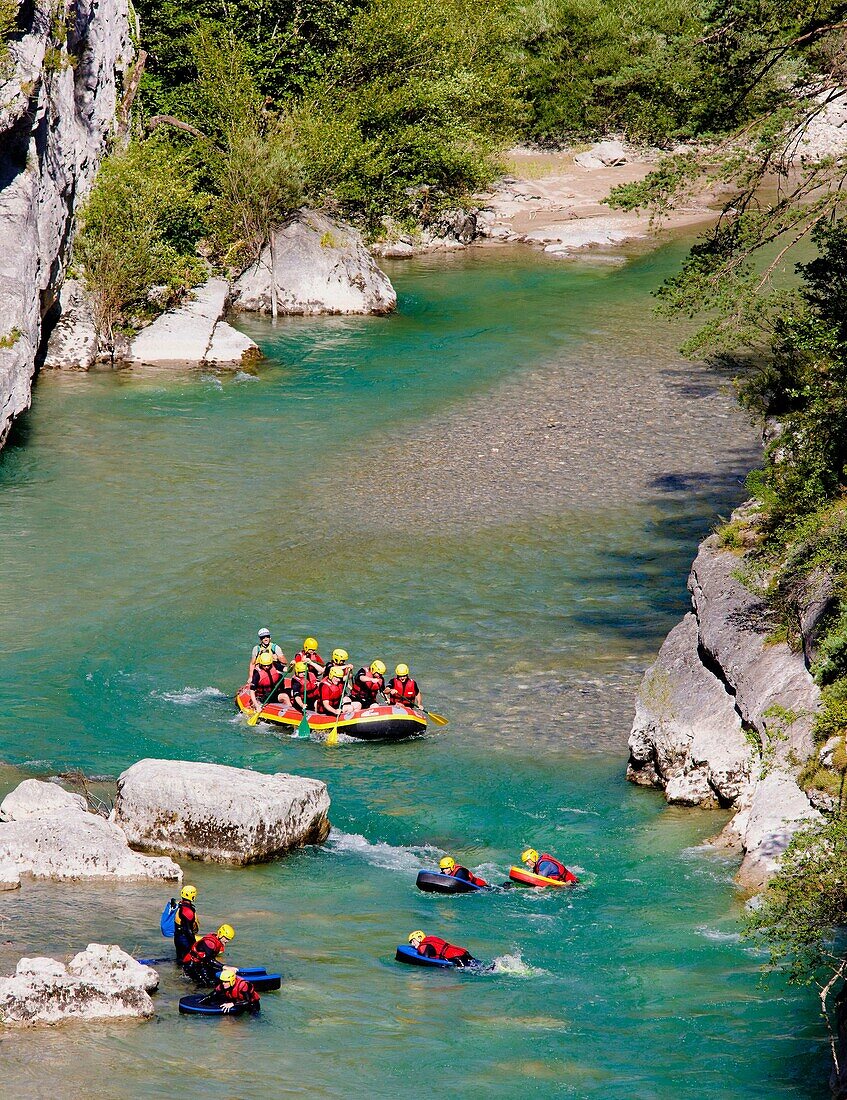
{"points": [[503, 485]]}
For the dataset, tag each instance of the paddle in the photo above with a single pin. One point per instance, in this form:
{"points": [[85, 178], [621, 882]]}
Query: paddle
{"points": [[439, 719], [304, 729], [332, 736]]}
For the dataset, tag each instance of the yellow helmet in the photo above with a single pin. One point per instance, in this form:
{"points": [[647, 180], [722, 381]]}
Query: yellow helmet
{"points": [[310, 643], [447, 864], [339, 656], [226, 932], [228, 975], [265, 659], [401, 670], [419, 935], [189, 893], [300, 666], [336, 673], [378, 667], [529, 853]]}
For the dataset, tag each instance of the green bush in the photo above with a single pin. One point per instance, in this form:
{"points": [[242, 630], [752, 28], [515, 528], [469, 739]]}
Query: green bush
{"points": [[138, 229]]}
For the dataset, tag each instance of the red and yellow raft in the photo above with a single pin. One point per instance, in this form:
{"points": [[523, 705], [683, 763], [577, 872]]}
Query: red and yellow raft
{"points": [[527, 878], [379, 723]]}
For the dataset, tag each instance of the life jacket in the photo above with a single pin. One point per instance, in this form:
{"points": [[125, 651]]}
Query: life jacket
{"points": [[206, 949], [269, 676], [240, 992], [467, 876], [330, 693], [310, 655], [185, 918], [366, 686], [561, 871], [441, 948], [296, 687], [405, 692]]}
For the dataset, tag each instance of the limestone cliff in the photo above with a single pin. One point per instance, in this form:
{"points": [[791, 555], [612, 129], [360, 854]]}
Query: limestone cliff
{"points": [[58, 106], [724, 715]]}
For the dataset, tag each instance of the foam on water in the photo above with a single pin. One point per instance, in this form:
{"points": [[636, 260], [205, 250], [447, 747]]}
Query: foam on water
{"points": [[514, 966], [189, 696], [410, 858]]}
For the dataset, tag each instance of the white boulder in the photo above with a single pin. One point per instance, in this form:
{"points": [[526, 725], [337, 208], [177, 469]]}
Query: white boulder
{"points": [[98, 983], [65, 842], [34, 798], [73, 343], [217, 813], [320, 266], [603, 154]]}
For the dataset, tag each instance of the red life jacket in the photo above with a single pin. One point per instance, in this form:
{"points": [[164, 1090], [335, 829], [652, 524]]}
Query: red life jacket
{"points": [[467, 876], [310, 655], [268, 677], [330, 693], [311, 686], [366, 686], [404, 692], [204, 950], [186, 916], [561, 870], [441, 948], [240, 992]]}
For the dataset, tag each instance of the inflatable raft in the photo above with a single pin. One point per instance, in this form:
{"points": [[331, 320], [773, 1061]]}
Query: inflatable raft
{"points": [[435, 882], [380, 723], [197, 1004], [407, 954], [526, 878]]}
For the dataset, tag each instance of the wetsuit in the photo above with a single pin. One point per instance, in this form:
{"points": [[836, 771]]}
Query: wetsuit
{"points": [[186, 928], [467, 876], [366, 686], [550, 867], [241, 992], [199, 962], [433, 947]]}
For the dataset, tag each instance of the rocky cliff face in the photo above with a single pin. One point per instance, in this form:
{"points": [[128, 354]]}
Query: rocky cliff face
{"points": [[724, 715], [57, 112]]}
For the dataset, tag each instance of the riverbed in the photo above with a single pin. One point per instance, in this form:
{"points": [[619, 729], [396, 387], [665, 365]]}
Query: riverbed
{"points": [[502, 485]]}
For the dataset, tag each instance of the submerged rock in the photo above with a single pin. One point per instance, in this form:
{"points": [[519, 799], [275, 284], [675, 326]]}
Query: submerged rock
{"points": [[321, 266], [98, 983], [51, 834], [220, 814]]}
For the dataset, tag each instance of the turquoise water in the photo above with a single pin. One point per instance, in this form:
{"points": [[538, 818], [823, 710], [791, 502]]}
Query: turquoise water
{"points": [[504, 485]]}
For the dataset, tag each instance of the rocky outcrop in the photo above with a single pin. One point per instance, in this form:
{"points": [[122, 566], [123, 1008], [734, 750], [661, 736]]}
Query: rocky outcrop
{"points": [[57, 112], [219, 814], [97, 984], [73, 344], [48, 833], [724, 716], [319, 265], [195, 334]]}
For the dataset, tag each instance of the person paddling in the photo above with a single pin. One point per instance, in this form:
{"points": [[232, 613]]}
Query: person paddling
{"points": [[368, 683], [403, 689], [309, 654], [340, 658], [433, 947], [199, 962], [303, 690], [448, 866], [547, 866], [266, 645], [265, 681], [232, 991], [186, 925], [330, 699]]}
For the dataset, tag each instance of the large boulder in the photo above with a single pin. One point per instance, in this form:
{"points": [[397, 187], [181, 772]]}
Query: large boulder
{"points": [[687, 735], [219, 814], [321, 266], [98, 983], [73, 343], [52, 835], [195, 334]]}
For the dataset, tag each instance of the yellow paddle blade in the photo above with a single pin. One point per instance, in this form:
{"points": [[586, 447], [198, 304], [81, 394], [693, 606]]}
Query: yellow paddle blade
{"points": [[332, 736], [254, 718], [439, 719]]}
